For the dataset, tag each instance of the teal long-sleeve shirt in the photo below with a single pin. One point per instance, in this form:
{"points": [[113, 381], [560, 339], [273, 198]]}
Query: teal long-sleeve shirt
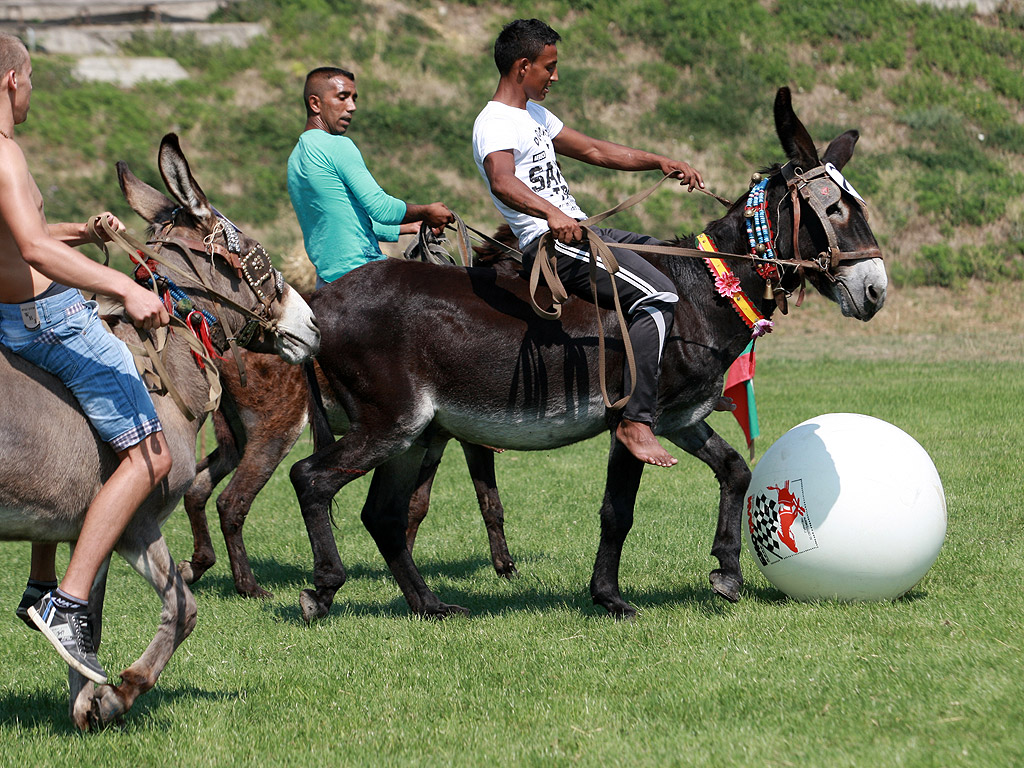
{"points": [[341, 209]]}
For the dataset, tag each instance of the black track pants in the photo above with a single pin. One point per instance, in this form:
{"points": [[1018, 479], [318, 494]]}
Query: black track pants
{"points": [[648, 298]]}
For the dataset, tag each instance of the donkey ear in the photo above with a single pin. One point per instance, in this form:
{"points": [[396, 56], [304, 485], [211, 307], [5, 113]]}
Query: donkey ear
{"points": [[179, 180], [840, 150], [796, 141], [151, 204]]}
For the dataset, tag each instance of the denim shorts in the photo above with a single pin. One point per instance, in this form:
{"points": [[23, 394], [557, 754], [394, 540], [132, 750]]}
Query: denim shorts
{"points": [[71, 343]]}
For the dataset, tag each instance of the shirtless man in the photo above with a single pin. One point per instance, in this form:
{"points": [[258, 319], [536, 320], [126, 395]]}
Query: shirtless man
{"points": [[45, 319], [515, 141]]}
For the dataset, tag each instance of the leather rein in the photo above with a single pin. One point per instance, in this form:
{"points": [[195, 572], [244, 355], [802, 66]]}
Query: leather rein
{"points": [[817, 187]]}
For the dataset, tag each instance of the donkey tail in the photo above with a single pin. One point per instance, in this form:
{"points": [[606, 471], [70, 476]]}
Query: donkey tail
{"points": [[322, 435]]}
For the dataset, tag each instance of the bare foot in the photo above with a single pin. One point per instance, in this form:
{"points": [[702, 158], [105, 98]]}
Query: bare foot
{"points": [[725, 404], [641, 442]]}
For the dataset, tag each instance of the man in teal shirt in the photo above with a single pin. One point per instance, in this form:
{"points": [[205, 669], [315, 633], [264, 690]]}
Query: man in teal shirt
{"points": [[341, 209]]}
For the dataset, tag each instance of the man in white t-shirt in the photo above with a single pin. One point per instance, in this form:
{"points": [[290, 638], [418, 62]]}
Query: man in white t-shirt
{"points": [[515, 142]]}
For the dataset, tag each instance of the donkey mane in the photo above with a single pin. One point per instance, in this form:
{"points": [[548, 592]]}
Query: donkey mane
{"points": [[488, 254]]}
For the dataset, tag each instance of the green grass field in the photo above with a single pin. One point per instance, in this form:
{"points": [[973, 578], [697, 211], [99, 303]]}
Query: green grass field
{"points": [[538, 675]]}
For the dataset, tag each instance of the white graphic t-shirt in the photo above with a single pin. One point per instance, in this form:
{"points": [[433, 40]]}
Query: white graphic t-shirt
{"points": [[528, 133]]}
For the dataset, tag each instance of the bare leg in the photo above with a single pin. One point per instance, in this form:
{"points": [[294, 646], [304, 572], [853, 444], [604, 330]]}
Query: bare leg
{"points": [[142, 467], [639, 439]]}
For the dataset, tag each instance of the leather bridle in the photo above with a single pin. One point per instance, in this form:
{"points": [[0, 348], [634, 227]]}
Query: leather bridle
{"points": [[254, 268], [820, 191]]}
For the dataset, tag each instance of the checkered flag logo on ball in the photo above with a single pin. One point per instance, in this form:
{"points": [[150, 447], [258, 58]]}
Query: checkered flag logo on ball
{"points": [[772, 517]]}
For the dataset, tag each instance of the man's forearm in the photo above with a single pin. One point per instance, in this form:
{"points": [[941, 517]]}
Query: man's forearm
{"points": [[70, 233], [617, 157], [514, 193], [58, 262]]}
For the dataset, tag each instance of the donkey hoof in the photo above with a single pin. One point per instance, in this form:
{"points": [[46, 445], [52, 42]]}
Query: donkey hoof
{"points": [[311, 607], [617, 607], [187, 574], [726, 585], [624, 612], [256, 591], [507, 570], [192, 570], [444, 610], [106, 708]]}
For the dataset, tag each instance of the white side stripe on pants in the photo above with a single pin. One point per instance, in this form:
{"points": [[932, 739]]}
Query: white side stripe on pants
{"points": [[659, 321], [650, 293]]}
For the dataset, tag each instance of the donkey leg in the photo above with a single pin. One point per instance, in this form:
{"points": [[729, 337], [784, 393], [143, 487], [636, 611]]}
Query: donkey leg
{"points": [[419, 503], [624, 472], [385, 516], [316, 480], [209, 472], [481, 468], [145, 549], [733, 476], [83, 690], [261, 457], [315, 486]]}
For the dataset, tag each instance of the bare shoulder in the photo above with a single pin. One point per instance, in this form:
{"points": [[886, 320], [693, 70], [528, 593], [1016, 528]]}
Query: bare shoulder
{"points": [[15, 178], [11, 150], [13, 168]]}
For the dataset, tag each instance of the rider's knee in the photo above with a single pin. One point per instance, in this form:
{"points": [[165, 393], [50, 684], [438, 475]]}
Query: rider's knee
{"points": [[161, 460], [663, 301], [152, 457]]}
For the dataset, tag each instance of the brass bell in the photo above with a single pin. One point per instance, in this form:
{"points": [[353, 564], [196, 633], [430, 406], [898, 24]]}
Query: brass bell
{"points": [[756, 178], [748, 212], [760, 248]]}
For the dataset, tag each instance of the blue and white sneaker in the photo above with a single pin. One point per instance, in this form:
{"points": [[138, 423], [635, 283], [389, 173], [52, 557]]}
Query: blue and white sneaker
{"points": [[71, 634]]}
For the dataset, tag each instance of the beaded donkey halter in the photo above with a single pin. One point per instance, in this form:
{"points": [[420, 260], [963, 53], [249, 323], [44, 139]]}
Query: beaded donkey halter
{"points": [[821, 188], [761, 239], [255, 267]]}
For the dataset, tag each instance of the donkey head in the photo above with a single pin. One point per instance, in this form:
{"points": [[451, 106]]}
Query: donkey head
{"points": [[188, 229], [831, 219]]}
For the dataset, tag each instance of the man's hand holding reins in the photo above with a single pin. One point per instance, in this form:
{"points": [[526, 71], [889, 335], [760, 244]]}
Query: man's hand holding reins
{"points": [[438, 215], [564, 228], [145, 308], [434, 215], [687, 174], [113, 222]]}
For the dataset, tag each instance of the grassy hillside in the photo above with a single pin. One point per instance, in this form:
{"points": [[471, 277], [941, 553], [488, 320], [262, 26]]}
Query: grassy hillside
{"points": [[935, 94]]}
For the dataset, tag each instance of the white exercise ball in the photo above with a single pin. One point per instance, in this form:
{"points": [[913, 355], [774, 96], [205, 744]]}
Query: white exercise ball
{"points": [[846, 507]]}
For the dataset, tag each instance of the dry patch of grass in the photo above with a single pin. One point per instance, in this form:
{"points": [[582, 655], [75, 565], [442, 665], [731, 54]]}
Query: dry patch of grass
{"points": [[980, 322]]}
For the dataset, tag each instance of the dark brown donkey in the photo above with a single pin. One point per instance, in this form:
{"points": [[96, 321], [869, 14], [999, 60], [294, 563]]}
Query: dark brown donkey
{"points": [[257, 425], [488, 370], [227, 276]]}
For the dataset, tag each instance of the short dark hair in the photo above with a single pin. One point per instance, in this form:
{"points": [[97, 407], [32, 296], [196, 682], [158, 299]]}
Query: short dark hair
{"points": [[522, 39], [317, 79], [13, 53]]}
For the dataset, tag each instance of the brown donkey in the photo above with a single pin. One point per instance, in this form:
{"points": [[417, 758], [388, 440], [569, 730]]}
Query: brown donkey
{"points": [[258, 424]]}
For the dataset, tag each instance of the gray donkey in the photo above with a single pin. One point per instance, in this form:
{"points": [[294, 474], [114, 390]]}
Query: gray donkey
{"points": [[51, 461]]}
